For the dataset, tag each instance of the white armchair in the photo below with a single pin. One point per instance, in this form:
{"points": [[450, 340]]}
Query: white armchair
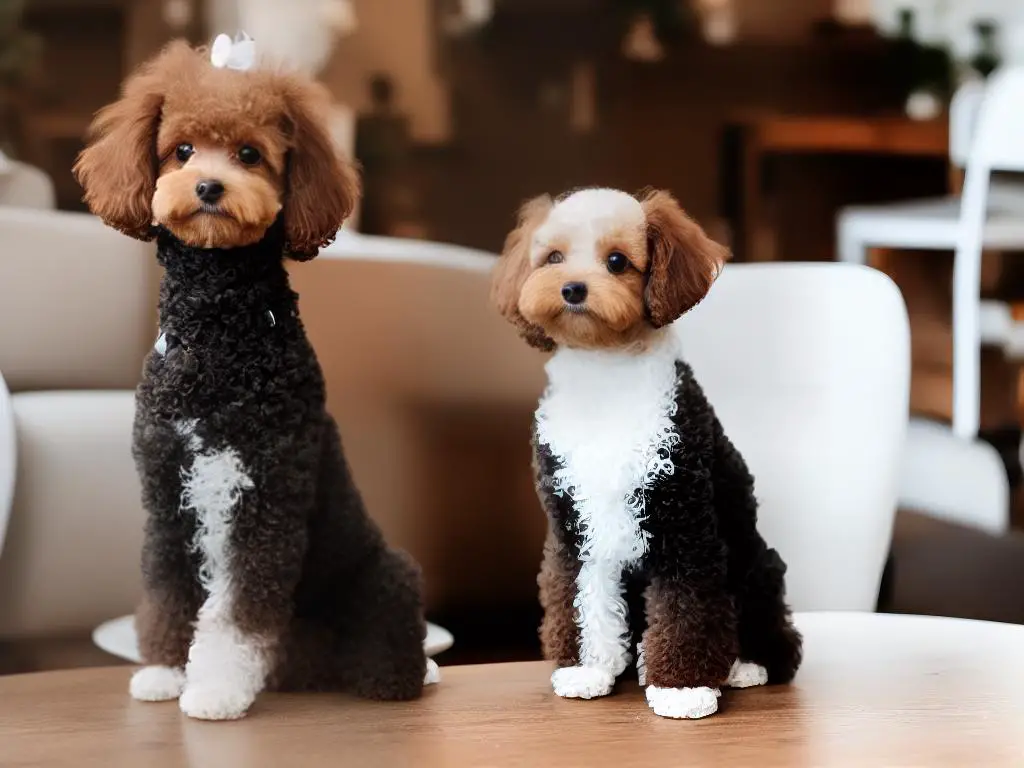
{"points": [[807, 365]]}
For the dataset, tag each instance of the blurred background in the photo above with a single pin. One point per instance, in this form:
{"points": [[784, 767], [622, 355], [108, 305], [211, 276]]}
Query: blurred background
{"points": [[771, 120]]}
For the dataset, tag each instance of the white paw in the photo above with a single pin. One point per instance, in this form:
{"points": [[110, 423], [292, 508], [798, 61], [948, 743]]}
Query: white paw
{"points": [[157, 684], [582, 682], [211, 702], [433, 676], [641, 665], [683, 703], [746, 674]]}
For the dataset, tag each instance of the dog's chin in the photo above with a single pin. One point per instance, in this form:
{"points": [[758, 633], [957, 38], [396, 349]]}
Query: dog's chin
{"points": [[214, 228], [580, 327]]}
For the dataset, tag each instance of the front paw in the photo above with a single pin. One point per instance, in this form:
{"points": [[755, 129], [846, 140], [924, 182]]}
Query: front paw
{"points": [[746, 674], [215, 702], [582, 682], [433, 675], [683, 703], [157, 684]]}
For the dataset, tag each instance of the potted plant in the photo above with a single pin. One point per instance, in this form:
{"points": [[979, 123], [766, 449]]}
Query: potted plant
{"points": [[941, 43], [19, 52]]}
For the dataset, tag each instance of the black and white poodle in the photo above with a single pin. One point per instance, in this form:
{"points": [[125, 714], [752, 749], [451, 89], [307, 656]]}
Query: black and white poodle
{"points": [[261, 566], [652, 539]]}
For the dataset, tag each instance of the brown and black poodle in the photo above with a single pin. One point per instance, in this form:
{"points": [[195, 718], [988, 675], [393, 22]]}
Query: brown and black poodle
{"points": [[261, 566], [652, 519]]}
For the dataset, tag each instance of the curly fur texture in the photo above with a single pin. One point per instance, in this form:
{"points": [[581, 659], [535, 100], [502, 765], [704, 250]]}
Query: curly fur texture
{"points": [[179, 98], [652, 544], [713, 591], [261, 567], [256, 534]]}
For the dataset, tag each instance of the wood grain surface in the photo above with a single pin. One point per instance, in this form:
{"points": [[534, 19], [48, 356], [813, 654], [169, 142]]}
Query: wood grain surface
{"points": [[875, 690]]}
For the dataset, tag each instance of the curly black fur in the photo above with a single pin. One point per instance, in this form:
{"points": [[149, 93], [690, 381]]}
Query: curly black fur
{"points": [[311, 570], [713, 588]]}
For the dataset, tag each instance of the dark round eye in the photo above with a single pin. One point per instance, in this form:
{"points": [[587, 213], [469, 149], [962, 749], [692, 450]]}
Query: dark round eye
{"points": [[617, 263], [555, 257], [249, 155], [183, 152]]}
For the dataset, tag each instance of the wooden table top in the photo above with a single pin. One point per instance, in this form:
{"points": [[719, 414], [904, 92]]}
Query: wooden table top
{"points": [[874, 690]]}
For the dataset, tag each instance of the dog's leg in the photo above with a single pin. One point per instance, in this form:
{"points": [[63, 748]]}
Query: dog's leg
{"points": [[559, 633], [561, 636], [770, 646], [164, 631], [689, 646], [171, 593], [604, 636], [380, 632], [768, 639], [252, 539]]}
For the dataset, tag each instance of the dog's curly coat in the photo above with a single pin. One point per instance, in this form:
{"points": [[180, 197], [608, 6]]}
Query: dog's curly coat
{"points": [[652, 519], [261, 567]]}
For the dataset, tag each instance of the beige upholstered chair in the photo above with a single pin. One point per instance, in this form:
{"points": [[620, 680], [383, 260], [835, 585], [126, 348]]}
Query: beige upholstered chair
{"points": [[76, 317]]}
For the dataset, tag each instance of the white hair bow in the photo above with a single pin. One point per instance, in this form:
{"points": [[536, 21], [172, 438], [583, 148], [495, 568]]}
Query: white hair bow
{"points": [[239, 53]]}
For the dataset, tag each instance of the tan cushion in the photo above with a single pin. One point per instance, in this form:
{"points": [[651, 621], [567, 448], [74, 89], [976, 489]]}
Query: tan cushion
{"points": [[77, 302], [434, 394], [71, 558]]}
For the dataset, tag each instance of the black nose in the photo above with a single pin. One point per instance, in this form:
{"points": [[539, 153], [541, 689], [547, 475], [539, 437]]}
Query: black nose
{"points": [[574, 293], [209, 191]]}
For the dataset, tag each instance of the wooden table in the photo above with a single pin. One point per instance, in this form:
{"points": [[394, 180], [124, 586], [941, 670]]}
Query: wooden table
{"points": [[761, 136], [874, 690]]}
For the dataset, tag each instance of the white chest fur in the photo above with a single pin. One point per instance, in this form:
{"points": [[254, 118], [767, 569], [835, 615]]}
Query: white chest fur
{"points": [[606, 416]]}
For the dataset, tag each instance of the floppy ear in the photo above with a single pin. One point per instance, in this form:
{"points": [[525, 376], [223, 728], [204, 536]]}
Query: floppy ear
{"points": [[514, 267], [322, 186], [684, 261], [118, 167]]}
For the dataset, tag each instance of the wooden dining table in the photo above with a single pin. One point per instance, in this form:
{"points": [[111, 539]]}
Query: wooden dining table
{"points": [[874, 690]]}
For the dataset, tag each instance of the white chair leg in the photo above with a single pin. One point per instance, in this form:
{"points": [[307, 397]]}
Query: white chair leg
{"points": [[967, 307]]}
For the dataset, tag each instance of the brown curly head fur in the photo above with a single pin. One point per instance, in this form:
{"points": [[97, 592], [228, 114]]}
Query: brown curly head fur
{"points": [[599, 268], [685, 262], [135, 177]]}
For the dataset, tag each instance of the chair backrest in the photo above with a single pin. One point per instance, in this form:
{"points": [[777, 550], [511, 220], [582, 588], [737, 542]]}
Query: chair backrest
{"points": [[23, 186], [1000, 123], [963, 118], [77, 302], [808, 367], [997, 146]]}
